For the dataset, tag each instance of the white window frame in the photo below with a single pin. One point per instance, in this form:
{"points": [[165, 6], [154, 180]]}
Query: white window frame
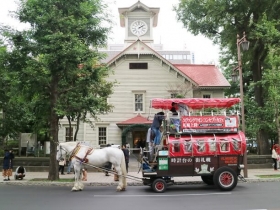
{"points": [[98, 134], [173, 95], [73, 132], [134, 101], [206, 93]]}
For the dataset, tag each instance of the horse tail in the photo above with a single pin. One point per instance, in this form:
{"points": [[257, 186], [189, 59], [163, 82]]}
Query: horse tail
{"points": [[124, 172]]}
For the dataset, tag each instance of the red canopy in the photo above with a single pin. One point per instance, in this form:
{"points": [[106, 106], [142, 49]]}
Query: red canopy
{"points": [[195, 103]]}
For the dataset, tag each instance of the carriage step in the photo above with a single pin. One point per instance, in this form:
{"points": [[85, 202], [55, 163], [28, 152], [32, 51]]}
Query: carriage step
{"points": [[242, 178]]}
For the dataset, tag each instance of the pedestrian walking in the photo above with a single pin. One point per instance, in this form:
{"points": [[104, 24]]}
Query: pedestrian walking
{"points": [[61, 164], [8, 165], [274, 156], [127, 146], [126, 156], [70, 166]]}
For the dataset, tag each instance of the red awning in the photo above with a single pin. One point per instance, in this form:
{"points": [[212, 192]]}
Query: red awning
{"points": [[195, 103], [138, 119]]}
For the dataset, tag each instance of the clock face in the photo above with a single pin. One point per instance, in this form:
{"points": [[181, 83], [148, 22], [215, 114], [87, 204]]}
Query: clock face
{"points": [[139, 27]]}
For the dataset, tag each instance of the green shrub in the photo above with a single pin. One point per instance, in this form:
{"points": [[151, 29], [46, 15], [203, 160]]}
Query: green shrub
{"points": [[12, 144]]}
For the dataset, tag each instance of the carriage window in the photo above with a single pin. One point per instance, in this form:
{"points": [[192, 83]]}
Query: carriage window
{"points": [[224, 145], [188, 145], [102, 135], [69, 134], [200, 145], [212, 145], [176, 146], [236, 144]]}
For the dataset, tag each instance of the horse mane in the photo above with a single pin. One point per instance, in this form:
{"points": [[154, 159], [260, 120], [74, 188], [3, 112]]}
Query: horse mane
{"points": [[71, 143]]}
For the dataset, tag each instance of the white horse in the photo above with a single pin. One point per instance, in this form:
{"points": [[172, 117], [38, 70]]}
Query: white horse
{"points": [[80, 154]]}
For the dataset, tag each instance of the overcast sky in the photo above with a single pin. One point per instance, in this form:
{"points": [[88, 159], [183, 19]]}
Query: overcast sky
{"points": [[168, 32]]}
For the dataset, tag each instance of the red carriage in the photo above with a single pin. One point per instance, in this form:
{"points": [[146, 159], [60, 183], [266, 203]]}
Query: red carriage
{"points": [[207, 143]]}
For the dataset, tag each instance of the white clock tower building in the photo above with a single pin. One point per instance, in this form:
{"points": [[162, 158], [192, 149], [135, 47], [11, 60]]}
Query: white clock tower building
{"points": [[138, 21]]}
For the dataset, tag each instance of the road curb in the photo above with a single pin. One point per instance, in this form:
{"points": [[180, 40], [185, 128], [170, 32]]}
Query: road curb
{"points": [[70, 184]]}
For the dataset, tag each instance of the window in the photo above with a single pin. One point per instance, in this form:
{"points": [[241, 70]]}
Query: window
{"points": [[206, 96], [69, 134], [212, 145], [102, 135], [200, 146], [173, 95], [188, 145], [224, 145], [138, 65], [138, 102], [236, 144], [178, 57], [176, 146]]}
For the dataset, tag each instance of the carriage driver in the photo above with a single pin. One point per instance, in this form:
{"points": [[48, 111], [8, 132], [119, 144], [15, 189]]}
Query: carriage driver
{"points": [[158, 118], [153, 134]]}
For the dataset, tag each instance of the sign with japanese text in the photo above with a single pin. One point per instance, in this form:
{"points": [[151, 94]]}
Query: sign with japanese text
{"points": [[181, 161], [204, 123], [229, 159]]}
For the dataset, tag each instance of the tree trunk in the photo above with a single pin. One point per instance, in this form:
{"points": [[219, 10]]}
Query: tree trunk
{"points": [[278, 126], [53, 169], [263, 144], [262, 136], [77, 127], [70, 126]]}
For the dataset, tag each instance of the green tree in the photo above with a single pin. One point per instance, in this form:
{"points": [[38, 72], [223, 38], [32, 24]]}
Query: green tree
{"points": [[45, 59], [221, 21], [16, 113], [268, 31], [92, 99]]}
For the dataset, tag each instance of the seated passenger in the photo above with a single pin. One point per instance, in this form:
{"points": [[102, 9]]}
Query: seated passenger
{"points": [[183, 109], [174, 120]]}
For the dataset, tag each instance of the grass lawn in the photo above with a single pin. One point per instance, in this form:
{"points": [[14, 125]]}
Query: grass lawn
{"points": [[269, 176]]}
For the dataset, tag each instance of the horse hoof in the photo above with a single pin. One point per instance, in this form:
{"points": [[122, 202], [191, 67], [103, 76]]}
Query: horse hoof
{"points": [[119, 189]]}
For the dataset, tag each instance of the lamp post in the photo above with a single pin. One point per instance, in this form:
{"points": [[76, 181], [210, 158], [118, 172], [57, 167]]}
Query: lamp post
{"points": [[245, 46]]}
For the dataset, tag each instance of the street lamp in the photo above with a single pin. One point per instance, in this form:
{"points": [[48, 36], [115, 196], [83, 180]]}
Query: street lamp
{"points": [[245, 46]]}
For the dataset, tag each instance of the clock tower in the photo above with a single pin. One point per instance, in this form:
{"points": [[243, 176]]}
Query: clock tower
{"points": [[138, 21]]}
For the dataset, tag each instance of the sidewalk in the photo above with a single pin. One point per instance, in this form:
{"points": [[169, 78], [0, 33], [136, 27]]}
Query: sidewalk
{"points": [[98, 178]]}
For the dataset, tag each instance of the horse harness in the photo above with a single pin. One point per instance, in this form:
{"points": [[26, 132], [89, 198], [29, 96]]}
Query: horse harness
{"points": [[81, 152]]}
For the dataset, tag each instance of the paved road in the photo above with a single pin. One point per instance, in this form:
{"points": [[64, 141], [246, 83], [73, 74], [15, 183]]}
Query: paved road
{"points": [[246, 196]]}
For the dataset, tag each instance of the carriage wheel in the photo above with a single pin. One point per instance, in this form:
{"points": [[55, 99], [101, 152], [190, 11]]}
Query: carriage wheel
{"points": [[208, 180], [225, 179], [159, 185]]}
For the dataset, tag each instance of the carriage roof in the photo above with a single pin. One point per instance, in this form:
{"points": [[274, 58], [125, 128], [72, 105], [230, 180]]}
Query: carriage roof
{"points": [[195, 103]]}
